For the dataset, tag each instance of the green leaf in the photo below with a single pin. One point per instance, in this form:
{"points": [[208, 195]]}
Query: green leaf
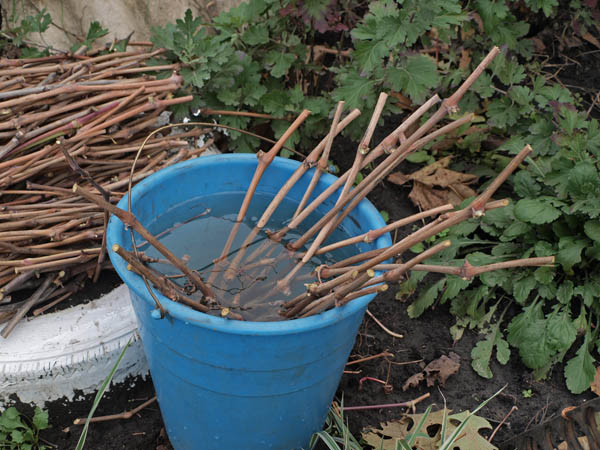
{"points": [[502, 112], [257, 34], [465, 228], [525, 185], [565, 292], [328, 440], [535, 211], [501, 217], [16, 436], [415, 77], [544, 275], [580, 370], [11, 419], [419, 157], [370, 54], [40, 419], [280, 62], [95, 32], [425, 300], [521, 95], [506, 248], [99, 394], [583, 180], [523, 287], [454, 285], [497, 278], [543, 248], [316, 8], [385, 215], [355, 90], [534, 349], [482, 352], [592, 229], [516, 229], [562, 330], [419, 247], [569, 253], [196, 77]]}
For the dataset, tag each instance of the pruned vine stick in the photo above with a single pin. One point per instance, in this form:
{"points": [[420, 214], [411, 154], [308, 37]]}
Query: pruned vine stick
{"points": [[323, 162], [385, 167], [373, 235], [36, 297], [130, 220], [429, 231], [123, 415]]}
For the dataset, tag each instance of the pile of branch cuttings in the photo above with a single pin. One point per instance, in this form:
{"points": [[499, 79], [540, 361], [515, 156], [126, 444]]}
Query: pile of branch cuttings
{"points": [[65, 119]]}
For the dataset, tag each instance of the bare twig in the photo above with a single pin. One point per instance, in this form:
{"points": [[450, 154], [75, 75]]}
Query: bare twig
{"points": [[124, 415], [409, 404]]}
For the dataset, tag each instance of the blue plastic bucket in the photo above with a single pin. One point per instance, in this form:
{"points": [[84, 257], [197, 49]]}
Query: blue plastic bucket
{"points": [[226, 384]]}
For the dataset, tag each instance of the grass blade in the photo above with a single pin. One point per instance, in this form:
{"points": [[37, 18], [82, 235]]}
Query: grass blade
{"points": [[98, 397], [450, 441], [328, 439]]}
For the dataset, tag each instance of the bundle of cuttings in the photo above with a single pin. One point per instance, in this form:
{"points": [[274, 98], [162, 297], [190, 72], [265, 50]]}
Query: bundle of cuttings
{"points": [[65, 119]]}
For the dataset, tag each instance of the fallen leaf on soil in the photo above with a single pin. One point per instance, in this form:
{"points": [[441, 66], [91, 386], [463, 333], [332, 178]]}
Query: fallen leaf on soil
{"points": [[582, 441], [440, 369], [430, 438], [413, 381], [591, 39], [426, 192], [437, 371], [595, 387], [538, 44]]}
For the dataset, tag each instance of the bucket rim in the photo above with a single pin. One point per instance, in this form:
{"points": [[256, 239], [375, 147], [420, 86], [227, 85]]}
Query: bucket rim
{"points": [[181, 312]]}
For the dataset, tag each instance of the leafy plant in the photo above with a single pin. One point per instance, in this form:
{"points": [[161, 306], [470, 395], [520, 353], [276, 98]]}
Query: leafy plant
{"points": [[527, 393], [336, 432], [19, 33], [95, 32], [21, 433], [554, 213]]}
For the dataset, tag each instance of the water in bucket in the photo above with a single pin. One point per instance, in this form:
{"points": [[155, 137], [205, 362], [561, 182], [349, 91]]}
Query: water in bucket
{"points": [[200, 228]]}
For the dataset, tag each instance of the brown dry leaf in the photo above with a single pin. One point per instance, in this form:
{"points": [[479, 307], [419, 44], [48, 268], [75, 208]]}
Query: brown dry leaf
{"points": [[402, 101], [413, 381], [465, 59], [596, 383], [426, 192], [400, 429], [591, 39], [470, 438], [538, 44], [440, 369], [569, 41], [582, 441], [437, 370], [426, 197]]}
